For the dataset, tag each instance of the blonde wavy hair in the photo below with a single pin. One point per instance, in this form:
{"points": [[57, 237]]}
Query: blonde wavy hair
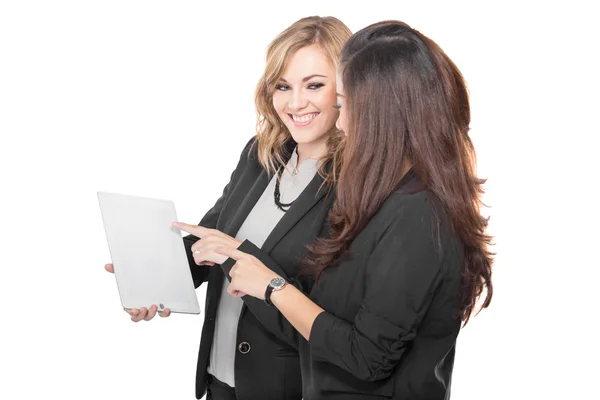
{"points": [[330, 34]]}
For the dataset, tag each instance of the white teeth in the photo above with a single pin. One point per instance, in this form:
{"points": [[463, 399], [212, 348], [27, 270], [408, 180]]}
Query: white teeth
{"points": [[304, 118]]}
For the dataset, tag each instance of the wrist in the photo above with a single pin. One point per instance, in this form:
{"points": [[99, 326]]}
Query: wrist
{"points": [[276, 284], [276, 295], [270, 276]]}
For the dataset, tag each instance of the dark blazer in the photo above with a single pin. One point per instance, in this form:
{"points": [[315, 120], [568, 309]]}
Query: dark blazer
{"points": [[390, 324], [267, 362]]}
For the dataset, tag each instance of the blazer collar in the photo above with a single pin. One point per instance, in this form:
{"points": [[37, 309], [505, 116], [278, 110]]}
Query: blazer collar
{"points": [[303, 204], [309, 197]]}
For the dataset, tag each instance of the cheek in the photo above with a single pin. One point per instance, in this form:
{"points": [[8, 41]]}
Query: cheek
{"points": [[326, 102], [279, 101]]}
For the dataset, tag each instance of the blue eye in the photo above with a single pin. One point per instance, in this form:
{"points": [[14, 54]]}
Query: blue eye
{"points": [[315, 86], [283, 88]]}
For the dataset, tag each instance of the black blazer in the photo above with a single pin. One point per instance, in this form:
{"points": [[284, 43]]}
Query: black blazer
{"points": [[390, 324], [267, 363]]}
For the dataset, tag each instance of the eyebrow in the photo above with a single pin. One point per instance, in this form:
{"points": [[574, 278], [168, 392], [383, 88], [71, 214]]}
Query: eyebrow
{"points": [[308, 78]]}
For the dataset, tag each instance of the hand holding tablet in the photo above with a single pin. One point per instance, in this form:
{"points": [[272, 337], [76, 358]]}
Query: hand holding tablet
{"points": [[150, 264], [138, 314]]}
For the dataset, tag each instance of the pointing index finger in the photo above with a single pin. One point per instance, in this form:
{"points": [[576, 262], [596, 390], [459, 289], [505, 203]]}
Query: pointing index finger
{"points": [[230, 252], [195, 230]]}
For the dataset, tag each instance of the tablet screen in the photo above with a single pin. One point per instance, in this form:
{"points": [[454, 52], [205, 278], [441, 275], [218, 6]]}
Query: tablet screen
{"points": [[148, 254]]}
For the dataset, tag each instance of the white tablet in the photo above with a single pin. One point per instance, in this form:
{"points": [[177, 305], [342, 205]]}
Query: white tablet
{"points": [[148, 254]]}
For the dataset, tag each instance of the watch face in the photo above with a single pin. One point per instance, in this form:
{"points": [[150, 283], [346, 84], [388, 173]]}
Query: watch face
{"points": [[277, 283]]}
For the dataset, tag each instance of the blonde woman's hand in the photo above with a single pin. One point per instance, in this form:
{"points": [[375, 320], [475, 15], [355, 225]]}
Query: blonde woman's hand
{"points": [[203, 250], [139, 314]]}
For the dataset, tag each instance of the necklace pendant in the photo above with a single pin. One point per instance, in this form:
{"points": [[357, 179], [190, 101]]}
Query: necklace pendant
{"points": [[295, 172]]}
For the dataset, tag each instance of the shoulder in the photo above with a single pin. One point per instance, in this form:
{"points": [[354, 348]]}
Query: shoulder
{"points": [[254, 145], [249, 154], [251, 148], [413, 208], [420, 221], [412, 202], [407, 210]]}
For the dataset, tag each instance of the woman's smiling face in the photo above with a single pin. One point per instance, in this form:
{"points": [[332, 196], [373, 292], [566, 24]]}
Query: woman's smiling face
{"points": [[305, 96]]}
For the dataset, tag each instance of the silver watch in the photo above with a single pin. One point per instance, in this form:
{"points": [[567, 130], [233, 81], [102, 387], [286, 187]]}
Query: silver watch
{"points": [[275, 284]]}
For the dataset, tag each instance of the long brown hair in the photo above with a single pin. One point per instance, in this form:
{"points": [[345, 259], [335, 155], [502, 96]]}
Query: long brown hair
{"points": [[407, 102], [330, 34]]}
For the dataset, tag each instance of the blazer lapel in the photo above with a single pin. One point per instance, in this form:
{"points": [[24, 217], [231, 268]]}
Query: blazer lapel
{"points": [[303, 204], [250, 200]]}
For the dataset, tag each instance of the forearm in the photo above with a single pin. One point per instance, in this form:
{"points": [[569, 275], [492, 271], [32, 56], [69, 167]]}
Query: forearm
{"points": [[269, 316], [298, 309]]}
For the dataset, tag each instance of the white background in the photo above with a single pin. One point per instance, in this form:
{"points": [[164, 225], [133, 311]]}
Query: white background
{"points": [[155, 98]]}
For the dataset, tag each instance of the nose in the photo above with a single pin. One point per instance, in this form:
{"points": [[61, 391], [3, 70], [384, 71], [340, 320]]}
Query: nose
{"points": [[338, 125], [297, 101]]}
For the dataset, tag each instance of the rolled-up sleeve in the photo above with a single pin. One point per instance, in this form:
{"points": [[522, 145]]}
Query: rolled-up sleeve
{"points": [[402, 275]]}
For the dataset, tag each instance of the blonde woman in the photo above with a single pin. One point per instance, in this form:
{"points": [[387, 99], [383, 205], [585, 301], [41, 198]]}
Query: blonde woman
{"points": [[275, 204]]}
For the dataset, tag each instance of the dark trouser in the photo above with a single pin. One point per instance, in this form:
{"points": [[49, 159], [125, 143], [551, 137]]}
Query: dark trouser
{"points": [[218, 390]]}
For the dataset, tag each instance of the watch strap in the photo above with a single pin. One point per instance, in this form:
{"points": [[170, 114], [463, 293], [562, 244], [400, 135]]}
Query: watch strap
{"points": [[268, 293]]}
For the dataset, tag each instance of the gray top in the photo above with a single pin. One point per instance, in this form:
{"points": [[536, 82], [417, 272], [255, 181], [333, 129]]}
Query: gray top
{"points": [[256, 228]]}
